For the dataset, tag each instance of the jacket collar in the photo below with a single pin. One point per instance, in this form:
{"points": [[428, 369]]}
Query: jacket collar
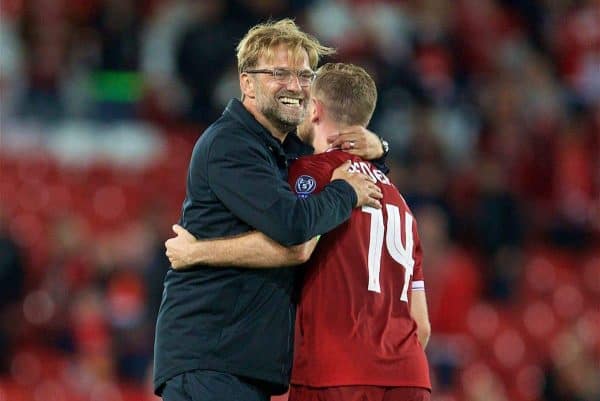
{"points": [[294, 147], [236, 109]]}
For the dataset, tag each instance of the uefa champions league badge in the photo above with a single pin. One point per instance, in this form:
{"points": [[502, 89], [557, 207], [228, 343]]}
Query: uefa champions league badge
{"points": [[305, 185]]}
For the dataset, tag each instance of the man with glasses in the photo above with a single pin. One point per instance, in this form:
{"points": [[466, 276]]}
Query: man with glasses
{"points": [[362, 321], [226, 333]]}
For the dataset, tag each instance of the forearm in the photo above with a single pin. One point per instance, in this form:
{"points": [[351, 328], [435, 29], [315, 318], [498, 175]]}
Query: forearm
{"points": [[420, 314], [252, 250], [423, 333]]}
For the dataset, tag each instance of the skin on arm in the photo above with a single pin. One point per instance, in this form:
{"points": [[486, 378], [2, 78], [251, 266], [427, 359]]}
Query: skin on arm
{"points": [[418, 311], [250, 250]]}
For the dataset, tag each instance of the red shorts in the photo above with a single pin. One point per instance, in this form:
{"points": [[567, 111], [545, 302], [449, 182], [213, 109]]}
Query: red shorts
{"points": [[358, 393]]}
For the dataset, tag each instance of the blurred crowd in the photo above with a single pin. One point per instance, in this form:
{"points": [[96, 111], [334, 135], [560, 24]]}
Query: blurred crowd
{"points": [[492, 111]]}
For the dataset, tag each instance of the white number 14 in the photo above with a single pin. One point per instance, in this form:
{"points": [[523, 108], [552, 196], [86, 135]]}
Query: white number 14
{"points": [[393, 239]]}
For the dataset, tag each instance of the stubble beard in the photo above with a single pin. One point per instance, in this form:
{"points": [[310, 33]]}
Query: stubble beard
{"points": [[284, 120]]}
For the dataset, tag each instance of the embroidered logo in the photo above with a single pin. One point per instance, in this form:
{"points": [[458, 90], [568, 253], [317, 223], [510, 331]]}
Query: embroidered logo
{"points": [[305, 184]]}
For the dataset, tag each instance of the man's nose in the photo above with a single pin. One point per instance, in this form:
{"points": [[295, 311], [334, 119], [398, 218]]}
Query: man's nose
{"points": [[294, 83]]}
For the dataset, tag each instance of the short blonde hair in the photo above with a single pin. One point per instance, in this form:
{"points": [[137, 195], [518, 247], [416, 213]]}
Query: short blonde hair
{"points": [[261, 39], [347, 91]]}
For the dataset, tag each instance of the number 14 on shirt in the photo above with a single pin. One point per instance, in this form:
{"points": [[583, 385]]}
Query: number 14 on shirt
{"points": [[402, 254]]}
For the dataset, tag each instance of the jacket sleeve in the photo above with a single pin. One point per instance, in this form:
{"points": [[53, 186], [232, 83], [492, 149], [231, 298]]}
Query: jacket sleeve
{"points": [[380, 164], [245, 180]]}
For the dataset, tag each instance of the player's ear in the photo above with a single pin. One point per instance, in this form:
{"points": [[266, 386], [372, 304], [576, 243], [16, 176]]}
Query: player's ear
{"points": [[317, 110], [247, 85]]}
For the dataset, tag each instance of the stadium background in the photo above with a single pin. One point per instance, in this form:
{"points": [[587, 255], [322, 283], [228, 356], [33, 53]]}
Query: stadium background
{"points": [[492, 109]]}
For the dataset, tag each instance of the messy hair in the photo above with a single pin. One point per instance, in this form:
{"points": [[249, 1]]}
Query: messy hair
{"points": [[263, 38], [347, 91]]}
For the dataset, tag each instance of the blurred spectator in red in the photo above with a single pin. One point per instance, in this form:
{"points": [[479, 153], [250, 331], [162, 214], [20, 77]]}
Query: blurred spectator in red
{"points": [[574, 183], [481, 27], [576, 39]]}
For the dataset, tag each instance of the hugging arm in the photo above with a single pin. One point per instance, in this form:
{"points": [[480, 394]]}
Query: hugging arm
{"points": [[249, 250]]}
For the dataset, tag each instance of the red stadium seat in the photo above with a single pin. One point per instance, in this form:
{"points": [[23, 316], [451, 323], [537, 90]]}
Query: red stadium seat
{"points": [[11, 391], [539, 319], [590, 276], [540, 276], [483, 321], [528, 382]]}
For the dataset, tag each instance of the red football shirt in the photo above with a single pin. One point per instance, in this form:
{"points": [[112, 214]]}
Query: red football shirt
{"points": [[353, 324]]}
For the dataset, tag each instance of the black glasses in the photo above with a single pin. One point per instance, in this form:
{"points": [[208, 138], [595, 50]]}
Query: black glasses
{"points": [[284, 76]]}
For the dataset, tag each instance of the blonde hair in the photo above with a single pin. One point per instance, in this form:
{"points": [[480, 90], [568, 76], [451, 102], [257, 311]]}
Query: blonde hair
{"points": [[261, 39], [347, 91]]}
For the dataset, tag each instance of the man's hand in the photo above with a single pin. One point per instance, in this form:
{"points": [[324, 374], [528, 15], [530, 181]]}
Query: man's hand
{"points": [[367, 192], [178, 248], [359, 141]]}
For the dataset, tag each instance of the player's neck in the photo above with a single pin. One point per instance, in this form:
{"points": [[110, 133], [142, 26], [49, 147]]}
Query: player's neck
{"points": [[324, 130]]}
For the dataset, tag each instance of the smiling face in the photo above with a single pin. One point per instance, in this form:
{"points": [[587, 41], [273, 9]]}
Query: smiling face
{"points": [[283, 103]]}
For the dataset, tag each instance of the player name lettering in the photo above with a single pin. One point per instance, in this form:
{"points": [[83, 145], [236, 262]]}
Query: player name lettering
{"points": [[373, 173]]}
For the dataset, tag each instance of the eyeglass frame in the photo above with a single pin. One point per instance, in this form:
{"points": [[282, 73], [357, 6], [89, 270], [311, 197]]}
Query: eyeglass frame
{"points": [[290, 73]]}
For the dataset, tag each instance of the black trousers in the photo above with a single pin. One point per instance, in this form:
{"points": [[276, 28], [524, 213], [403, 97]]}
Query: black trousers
{"points": [[208, 385]]}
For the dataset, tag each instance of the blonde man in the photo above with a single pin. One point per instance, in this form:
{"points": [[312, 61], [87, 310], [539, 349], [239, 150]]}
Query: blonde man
{"points": [[226, 333]]}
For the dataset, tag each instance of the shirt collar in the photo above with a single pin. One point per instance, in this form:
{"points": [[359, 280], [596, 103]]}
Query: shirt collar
{"points": [[236, 109]]}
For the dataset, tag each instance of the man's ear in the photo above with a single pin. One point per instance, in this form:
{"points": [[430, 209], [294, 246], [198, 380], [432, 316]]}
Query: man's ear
{"points": [[247, 85]]}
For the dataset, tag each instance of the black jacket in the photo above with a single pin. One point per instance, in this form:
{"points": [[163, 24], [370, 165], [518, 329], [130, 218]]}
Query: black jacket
{"points": [[240, 321]]}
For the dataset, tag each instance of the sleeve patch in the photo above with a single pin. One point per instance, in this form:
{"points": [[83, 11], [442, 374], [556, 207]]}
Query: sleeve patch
{"points": [[305, 185]]}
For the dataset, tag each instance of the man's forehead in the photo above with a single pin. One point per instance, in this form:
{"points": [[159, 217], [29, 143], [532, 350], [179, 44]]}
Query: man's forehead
{"points": [[283, 55]]}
